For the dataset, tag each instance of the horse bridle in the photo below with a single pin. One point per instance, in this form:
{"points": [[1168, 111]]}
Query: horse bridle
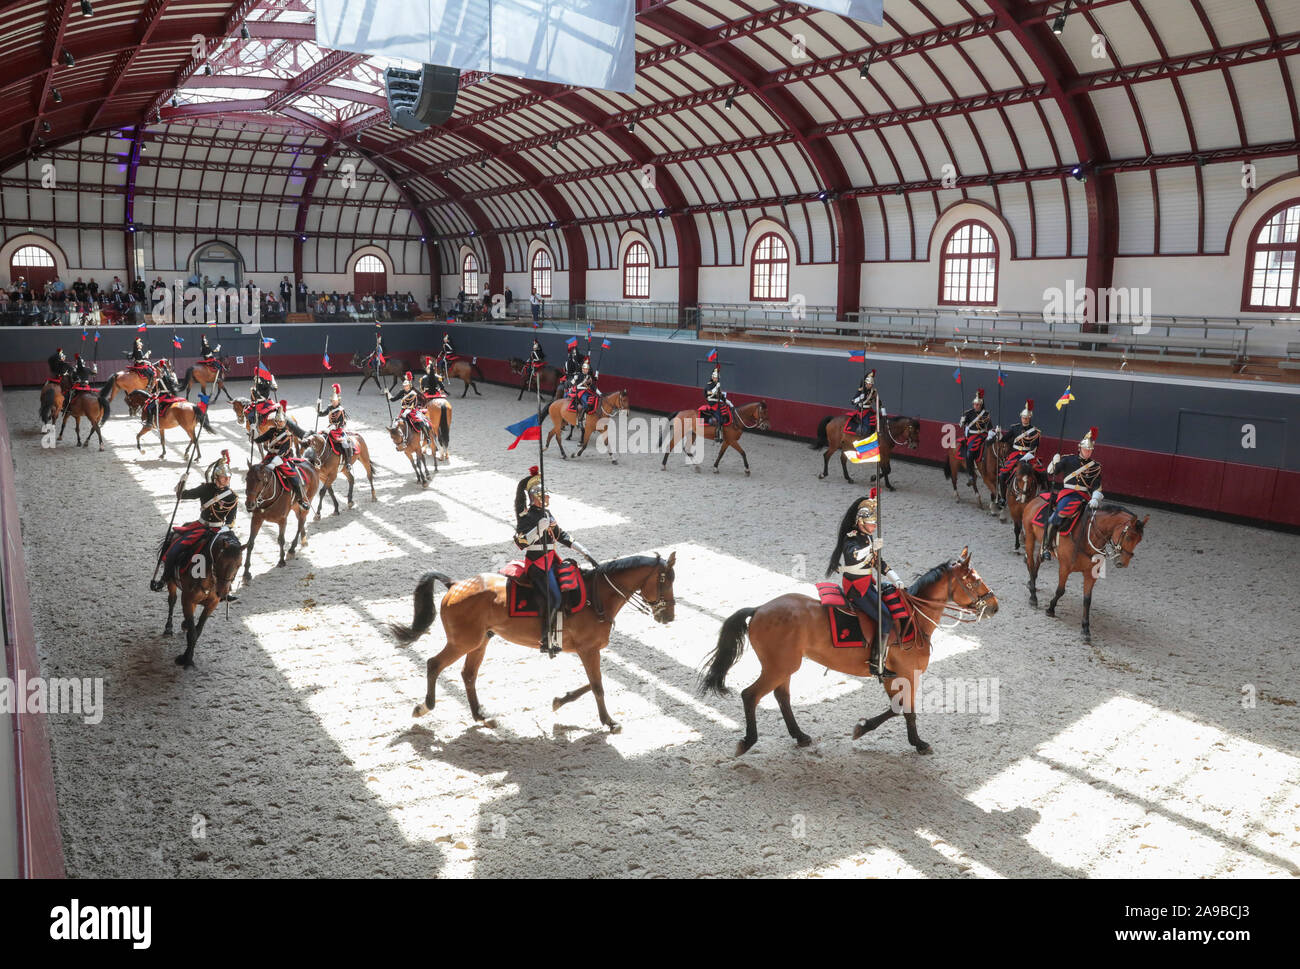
{"points": [[637, 600], [1112, 548], [962, 614], [741, 420], [275, 493], [903, 443]]}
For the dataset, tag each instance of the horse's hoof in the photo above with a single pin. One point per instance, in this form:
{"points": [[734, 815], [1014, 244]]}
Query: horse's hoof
{"points": [[924, 749], [615, 727], [747, 472], [1051, 611], [861, 729], [317, 518], [167, 630], [185, 662], [743, 746], [804, 741], [613, 460], [820, 477], [420, 710], [715, 469]]}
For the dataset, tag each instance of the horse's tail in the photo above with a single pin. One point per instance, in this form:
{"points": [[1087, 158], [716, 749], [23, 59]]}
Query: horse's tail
{"points": [[203, 415], [822, 440], [104, 392], [425, 609], [947, 468], [185, 384], [473, 366], [444, 428], [731, 643], [47, 404]]}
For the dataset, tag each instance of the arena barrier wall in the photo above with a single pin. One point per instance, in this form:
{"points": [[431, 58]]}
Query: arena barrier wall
{"points": [[39, 842], [1221, 446]]}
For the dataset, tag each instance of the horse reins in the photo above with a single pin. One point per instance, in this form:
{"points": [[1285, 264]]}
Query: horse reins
{"points": [[1112, 548], [637, 599]]}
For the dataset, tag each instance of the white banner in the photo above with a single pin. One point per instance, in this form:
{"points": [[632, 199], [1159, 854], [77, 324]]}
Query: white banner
{"points": [[871, 11], [587, 43]]}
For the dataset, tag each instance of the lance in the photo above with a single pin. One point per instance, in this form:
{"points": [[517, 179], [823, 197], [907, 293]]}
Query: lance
{"points": [[193, 451], [880, 532], [252, 423], [1060, 438], [320, 391], [546, 533], [999, 422]]}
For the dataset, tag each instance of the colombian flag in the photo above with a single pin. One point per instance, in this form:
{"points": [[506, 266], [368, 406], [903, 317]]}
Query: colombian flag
{"points": [[865, 451], [1065, 398]]}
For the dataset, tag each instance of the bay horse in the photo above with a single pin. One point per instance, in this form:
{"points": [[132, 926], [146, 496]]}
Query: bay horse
{"points": [[391, 367], [1022, 488], [899, 432], [93, 407], [474, 610], [178, 413], [1108, 533], [204, 373], [438, 410], [411, 444], [537, 377], [562, 414], [466, 371], [53, 394], [131, 379], [221, 565], [687, 427], [790, 628], [331, 463], [991, 458], [268, 500]]}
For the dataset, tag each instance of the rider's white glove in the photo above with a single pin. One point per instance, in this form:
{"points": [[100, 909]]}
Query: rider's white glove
{"points": [[894, 578], [1055, 460], [877, 543], [991, 435], [1096, 498], [883, 412]]}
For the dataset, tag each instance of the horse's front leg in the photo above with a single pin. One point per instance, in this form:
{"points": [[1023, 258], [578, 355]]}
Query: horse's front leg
{"points": [[743, 456], [143, 431], [590, 656], [301, 534], [252, 537], [866, 726], [913, 737], [186, 659], [171, 608], [283, 524], [844, 467], [163, 438], [722, 449], [1062, 576], [1089, 580], [193, 633]]}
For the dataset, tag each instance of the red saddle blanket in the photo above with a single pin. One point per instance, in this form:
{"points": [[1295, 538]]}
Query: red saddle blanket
{"points": [[1044, 513], [707, 411], [846, 621], [523, 600]]}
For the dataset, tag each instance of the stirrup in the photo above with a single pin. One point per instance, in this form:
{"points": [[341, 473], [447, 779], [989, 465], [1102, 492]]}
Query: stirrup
{"points": [[157, 585]]}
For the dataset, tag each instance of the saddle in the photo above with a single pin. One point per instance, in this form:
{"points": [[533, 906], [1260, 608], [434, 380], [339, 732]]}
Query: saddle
{"points": [[522, 599], [864, 424], [707, 412], [846, 621], [1044, 513], [159, 405], [186, 541]]}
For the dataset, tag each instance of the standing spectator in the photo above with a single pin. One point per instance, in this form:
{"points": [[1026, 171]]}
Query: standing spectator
{"points": [[510, 298], [116, 286], [536, 302], [286, 290], [302, 296]]}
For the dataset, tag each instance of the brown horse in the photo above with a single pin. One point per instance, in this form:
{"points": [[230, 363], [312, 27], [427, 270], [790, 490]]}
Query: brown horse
{"points": [[221, 565], [411, 444], [268, 500], [466, 371], [332, 463], [899, 432], [53, 394], [438, 410], [179, 413], [129, 380], [1022, 488], [391, 367], [562, 414], [1108, 533], [991, 458], [687, 427], [93, 407], [474, 609], [204, 373], [786, 630], [531, 377]]}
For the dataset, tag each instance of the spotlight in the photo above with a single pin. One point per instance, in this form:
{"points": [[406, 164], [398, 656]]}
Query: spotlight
{"points": [[55, 95], [821, 196], [473, 232], [866, 66], [243, 31], [67, 57], [482, 163], [661, 212], [1201, 161], [40, 142], [730, 102], [86, 9], [631, 126], [898, 190], [207, 69], [1079, 174], [555, 145], [173, 100], [421, 238], [130, 228], [302, 238], [45, 126], [1059, 24]]}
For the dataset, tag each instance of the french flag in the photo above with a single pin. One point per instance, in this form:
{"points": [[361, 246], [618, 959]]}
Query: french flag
{"points": [[326, 361], [176, 341], [605, 344], [203, 403], [264, 373], [529, 429], [858, 356], [571, 342], [713, 355]]}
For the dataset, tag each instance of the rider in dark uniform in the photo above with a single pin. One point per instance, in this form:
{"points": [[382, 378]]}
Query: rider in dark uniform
{"points": [[138, 354], [585, 397], [280, 442], [58, 365], [538, 534], [208, 354], [1080, 485], [975, 425], [445, 355], [82, 372], [218, 505], [412, 409], [431, 383], [572, 369], [263, 389], [864, 406], [376, 359], [337, 418], [857, 559], [716, 398], [1023, 440], [537, 356]]}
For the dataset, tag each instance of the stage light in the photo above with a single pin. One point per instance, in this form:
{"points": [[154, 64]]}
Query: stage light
{"points": [[243, 31], [45, 126], [67, 57], [482, 163], [207, 69], [86, 9], [730, 102], [1059, 24], [866, 67], [1079, 174], [821, 196], [173, 100], [631, 126], [55, 95]]}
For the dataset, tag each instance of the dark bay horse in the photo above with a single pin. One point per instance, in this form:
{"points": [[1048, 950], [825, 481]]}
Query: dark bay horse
{"points": [[179, 413], [790, 628], [53, 394], [411, 444], [268, 500], [687, 428], [205, 373], [466, 371], [220, 566], [531, 377], [561, 414], [1110, 533], [1022, 488], [93, 407], [991, 458], [391, 367], [474, 610], [899, 432], [331, 463]]}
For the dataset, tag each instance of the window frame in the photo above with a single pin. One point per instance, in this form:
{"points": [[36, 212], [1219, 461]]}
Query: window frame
{"points": [[465, 270], [641, 270], [755, 261], [1253, 246], [945, 257], [541, 276]]}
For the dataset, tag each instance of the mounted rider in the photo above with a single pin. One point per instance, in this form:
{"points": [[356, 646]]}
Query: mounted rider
{"points": [[863, 414], [166, 391], [431, 383], [715, 399], [82, 372], [412, 409], [976, 425], [337, 418], [445, 355], [58, 366], [536, 357], [139, 358], [263, 389], [1080, 485], [208, 354], [538, 533], [280, 444], [375, 359], [218, 505], [1023, 439], [572, 369], [586, 397], [857, 560]]}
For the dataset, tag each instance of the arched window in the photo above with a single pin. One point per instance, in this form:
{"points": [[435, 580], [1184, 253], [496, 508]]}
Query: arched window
{"points": [[542, 273], [968, 269], [469, 275], [369, 277], [769, 278], [636, 272], [1271, 275], [35, 266]]}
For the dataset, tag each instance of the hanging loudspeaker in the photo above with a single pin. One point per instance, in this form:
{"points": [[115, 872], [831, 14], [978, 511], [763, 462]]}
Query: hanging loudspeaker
{"points": [[417, 99]]}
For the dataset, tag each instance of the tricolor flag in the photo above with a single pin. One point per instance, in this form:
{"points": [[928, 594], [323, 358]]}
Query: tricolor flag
{"points": [[203, 403], [96, 336], [713, 355], [83, 334], [858, 356], [264, 373], [1065, 398], [571, 342], [865, 451], [588, 332], [176, 341], [605, 344], [211, 323], [267, 340], [326, 361], [956, 375], [536, 325], [1002, 379], [142, 327], [529, 429]]}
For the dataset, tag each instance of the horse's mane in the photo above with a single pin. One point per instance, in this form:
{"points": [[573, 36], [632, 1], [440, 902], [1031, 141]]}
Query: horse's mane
{"points": [[931, 576], [1112, 508], [627, 562]]}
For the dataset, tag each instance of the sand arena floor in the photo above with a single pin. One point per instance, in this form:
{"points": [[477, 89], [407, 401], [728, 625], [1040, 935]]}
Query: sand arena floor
{"points": [[291, 749]]}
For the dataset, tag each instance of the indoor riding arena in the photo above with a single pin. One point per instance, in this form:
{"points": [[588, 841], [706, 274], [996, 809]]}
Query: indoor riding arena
{"points": [[927, 491]]}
